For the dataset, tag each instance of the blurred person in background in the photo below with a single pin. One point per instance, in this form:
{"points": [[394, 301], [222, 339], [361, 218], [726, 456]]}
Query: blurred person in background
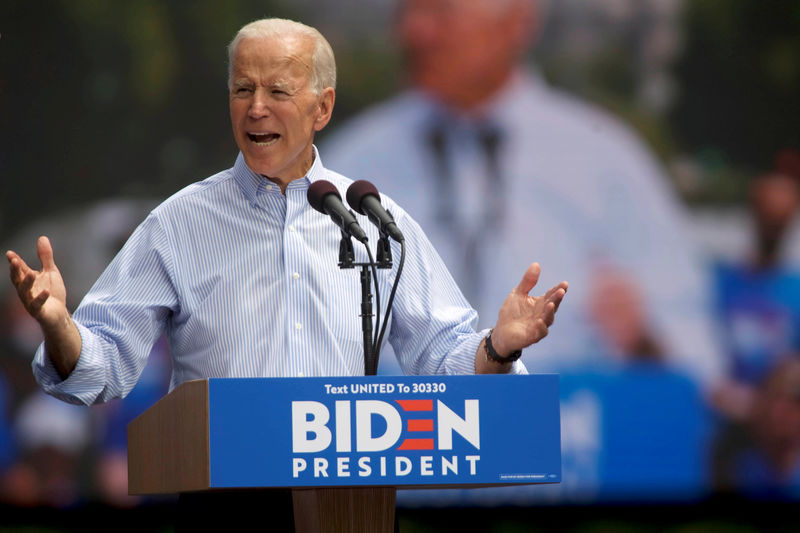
{"points": [[53, 439], [110, 423], [757, 297], [65, 455], [758, 302], [761, 455], [480, 146], [7, 444]]}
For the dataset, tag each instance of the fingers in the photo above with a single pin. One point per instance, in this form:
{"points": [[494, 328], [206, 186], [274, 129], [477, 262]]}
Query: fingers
{"points": [[549, 314], [18, 269], [24, 277], [26, 284], [556, 294], [537, 314], [558, 297], [541, 326], [38, 302], [540, 330], [529, 279], [549, 294], [45, 251]]}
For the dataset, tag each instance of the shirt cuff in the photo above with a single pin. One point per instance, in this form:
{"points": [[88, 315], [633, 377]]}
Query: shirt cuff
{"points": [[462, 361], [87, 380]]}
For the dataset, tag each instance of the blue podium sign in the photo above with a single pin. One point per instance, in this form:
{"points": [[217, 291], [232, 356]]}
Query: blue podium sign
{"points": [[384, 430]]}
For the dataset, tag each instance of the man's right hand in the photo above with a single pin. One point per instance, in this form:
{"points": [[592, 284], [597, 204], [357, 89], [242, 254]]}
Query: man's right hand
{"points": [[44, 296], [42, 292]]}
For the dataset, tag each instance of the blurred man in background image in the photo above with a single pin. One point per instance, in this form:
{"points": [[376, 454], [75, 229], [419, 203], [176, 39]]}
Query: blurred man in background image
{"points": [[480, 146]]}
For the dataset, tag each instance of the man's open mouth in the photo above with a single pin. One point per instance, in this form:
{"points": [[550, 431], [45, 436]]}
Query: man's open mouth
{"points": [[263, 139]]}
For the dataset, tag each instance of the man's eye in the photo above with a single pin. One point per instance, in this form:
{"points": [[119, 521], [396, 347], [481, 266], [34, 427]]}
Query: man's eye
{"points": [[243, 90]]}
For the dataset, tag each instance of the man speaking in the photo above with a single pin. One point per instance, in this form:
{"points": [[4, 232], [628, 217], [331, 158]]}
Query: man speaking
{"points": [[240, 272]]}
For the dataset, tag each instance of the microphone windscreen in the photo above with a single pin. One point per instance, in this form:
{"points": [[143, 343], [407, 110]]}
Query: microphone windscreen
{"points": [[356, 193], [318, 191]]}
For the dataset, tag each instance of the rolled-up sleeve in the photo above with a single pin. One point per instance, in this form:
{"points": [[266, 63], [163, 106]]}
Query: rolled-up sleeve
{"points": [[119, 320]]}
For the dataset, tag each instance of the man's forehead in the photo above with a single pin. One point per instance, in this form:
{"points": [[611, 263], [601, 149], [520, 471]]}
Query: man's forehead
{"points": [[291, 51]]}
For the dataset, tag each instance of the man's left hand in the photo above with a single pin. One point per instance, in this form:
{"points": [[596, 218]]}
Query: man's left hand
{"points": [[524, 319]]}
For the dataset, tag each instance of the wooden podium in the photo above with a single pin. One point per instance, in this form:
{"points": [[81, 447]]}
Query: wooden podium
{"points": [[317, 436]]}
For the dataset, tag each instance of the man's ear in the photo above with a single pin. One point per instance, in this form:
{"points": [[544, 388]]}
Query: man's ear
{"points": [[324, 108]]}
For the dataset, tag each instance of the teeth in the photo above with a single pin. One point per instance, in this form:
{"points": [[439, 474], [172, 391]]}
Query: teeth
{"points": [[263, 139]]}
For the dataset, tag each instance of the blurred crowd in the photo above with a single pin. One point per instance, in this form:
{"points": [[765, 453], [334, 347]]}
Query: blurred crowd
{"points": [[52, 453], [680, 365]]}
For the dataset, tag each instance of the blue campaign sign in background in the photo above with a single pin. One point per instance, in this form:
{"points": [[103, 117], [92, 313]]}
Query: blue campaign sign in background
{"points": [[635, 434], [638, 433], [384, 430]]}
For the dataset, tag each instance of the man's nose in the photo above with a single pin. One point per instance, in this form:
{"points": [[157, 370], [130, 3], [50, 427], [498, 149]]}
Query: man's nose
{"points": [[259, 107]]}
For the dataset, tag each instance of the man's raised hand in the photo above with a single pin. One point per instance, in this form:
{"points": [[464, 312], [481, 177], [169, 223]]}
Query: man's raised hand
{"points": [[44, 296], [42, 292], [524, 319]]}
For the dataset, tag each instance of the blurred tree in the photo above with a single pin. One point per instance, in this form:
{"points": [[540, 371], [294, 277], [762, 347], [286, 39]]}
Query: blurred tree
{"points": [[740, 80], [102, 99]]}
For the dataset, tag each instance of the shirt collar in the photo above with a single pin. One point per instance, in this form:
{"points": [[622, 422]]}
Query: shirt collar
{"points": [[252, 183]]}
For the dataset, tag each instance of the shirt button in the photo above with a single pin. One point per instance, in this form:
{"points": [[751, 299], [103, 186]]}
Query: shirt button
{"points": [[269, 187], [300, 374], [291, 228], [296, 275], [298, 326]]}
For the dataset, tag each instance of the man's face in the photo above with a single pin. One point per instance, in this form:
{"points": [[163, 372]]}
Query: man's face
{"points": [[776, 197], [274, 112], [454, 47]]}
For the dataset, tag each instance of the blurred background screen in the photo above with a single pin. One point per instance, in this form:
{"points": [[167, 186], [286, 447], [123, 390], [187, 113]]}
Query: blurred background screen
{"points": [[648, 151]]}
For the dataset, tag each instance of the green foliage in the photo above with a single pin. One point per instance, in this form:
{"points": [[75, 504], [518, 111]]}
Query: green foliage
{"points": [[101, 99], [740, 81]]}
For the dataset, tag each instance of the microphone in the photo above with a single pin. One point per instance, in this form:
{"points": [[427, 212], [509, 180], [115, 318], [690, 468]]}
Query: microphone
{"points": [[364, 198], [323, 196]]}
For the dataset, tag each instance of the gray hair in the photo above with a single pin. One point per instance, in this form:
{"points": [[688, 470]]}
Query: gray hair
{"points": [[323, 64]]}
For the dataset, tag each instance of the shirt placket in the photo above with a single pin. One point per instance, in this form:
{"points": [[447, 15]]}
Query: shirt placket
{"points": [[295, 278]]}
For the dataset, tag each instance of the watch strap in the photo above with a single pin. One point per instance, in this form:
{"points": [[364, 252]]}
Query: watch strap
{"points": [[492, 355]]}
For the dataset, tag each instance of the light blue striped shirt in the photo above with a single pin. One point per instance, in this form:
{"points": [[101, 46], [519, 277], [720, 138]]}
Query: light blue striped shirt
{"points": [[244, 282]]}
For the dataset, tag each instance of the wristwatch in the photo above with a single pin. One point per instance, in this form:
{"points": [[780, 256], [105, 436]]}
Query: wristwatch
{"points": [[492, 355]]}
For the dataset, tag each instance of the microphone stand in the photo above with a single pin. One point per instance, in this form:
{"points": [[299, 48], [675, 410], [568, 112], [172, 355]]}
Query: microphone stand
{"points": [[346, 261], [346, 253], [383, 256], [383, 253], [370, 364]]}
